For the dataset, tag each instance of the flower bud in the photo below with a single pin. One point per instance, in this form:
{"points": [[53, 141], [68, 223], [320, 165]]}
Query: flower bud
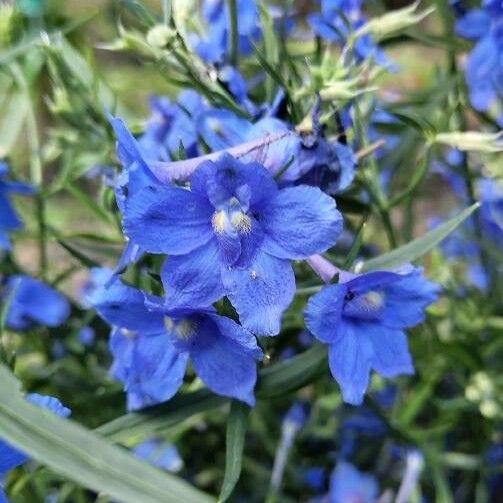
{"points": [[393, 22], [472, 141]]}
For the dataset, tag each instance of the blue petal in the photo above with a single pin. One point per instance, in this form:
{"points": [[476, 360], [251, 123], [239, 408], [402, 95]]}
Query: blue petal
{"points": [[35, 302], [194, 279], [474, 24], [261, 292], [124, 306], [349, 357], [348, 484], [391, 354], [224, 359], [229, 175], [9, 219], [221, 129], [324, 311], [168, 220], [3, 497], [299, 222], [10, 458], [157, 368], [49, 403], [406, 300]]}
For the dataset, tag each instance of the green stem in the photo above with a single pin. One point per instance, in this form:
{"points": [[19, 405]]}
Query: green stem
{"points": [[36, 172], [233, 32], [370, 179], [166, 11]]}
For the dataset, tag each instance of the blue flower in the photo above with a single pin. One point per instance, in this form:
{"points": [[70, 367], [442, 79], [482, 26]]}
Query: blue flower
{"points": [[484, 68], [32, 303], [330, 25], [490, 193], [9, 219], [213, 48], [348, 485], [363, 322], [329, 165], [86, 336], [151, 346], [159, 453], [10, 457], [234, 233]]}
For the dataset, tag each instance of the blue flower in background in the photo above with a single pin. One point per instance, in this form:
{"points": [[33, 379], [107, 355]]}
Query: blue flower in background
{"points": [[159, 453], [151, 345], [171, 125], [9, 219], [32, 303], [214, 46], [490, 193], [363, 322], [86, 336], [234, 233], [484, 67], [348, 485], [10, 457], [329, 165], [330, 25]]}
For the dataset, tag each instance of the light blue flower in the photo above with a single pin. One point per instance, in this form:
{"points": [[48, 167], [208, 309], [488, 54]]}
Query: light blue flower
{"points": [[9, 219], [233, 233], [32, 303], [151, 345], [348, 485], [363, 322]]}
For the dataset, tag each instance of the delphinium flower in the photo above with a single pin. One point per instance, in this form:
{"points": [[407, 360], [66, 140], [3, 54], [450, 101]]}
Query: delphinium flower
{"points": [[9, 219], [32, 302], [213, 47], [363, 320], [490, 193], [233, 233], [294, 159], [349, 485], [172, 126], [330, 25], [159, 453], [484, 67], [151, 346], [10, 457]]}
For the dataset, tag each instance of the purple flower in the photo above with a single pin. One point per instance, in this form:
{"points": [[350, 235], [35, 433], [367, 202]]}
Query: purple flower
{"points": [[233, 233], [363, 322]]}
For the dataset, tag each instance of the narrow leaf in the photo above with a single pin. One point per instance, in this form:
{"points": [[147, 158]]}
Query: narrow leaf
{"points": [[418, 247], [83, 456], [235, 438]]}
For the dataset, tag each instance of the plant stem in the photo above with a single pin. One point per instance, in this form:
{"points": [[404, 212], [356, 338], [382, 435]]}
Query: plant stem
{"points": [[36, 172], [233, 32]]}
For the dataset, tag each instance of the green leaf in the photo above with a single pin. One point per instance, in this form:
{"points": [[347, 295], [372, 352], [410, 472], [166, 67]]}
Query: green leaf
{"points": [[420, 124], [235, 439], [83, 456], [13, 116], [418, 247], [161, 417], [292, 374], [274, 381]]}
